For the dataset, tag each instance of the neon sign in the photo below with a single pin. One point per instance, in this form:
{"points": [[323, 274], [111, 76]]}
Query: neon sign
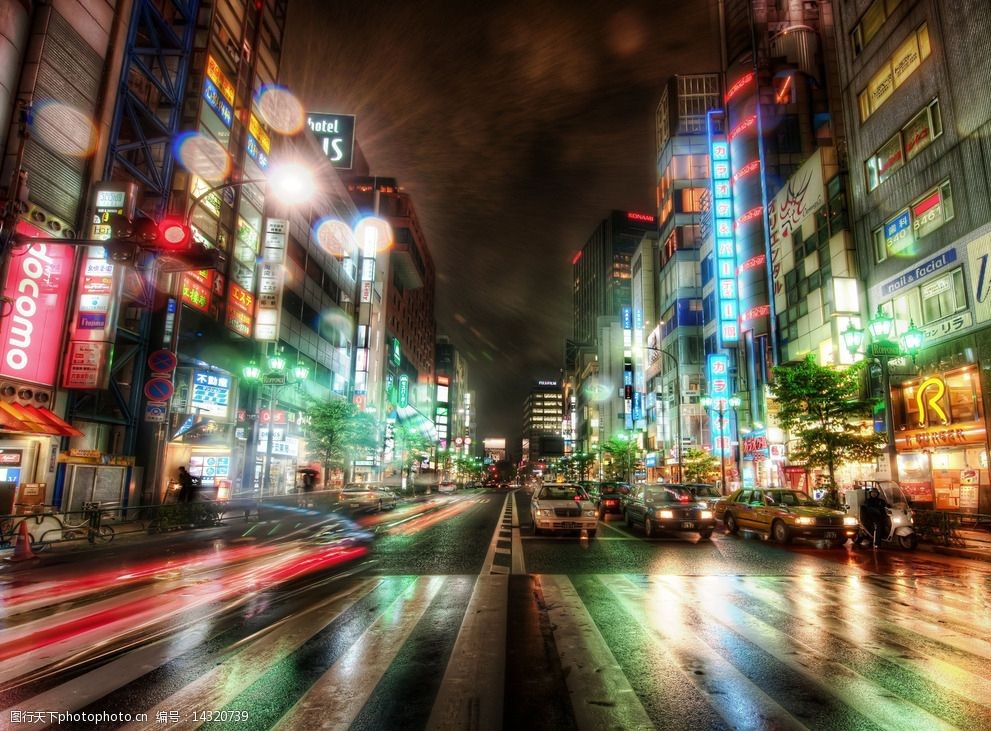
{"points": [[717, 375], [727, 294], [738, 85], [643, 217], [931, 401]]}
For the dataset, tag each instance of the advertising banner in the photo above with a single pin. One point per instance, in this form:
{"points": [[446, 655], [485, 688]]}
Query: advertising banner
{"points": [[39, 278]]}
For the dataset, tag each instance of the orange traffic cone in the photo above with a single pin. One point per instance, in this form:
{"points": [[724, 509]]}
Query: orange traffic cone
{"points": [[22, 546]]}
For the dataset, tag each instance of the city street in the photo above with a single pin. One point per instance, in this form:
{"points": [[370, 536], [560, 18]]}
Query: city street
{"points": [[456, 617]]}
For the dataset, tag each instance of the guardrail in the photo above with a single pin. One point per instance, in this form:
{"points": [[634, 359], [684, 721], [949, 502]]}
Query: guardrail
{"points": [[943, 527]]}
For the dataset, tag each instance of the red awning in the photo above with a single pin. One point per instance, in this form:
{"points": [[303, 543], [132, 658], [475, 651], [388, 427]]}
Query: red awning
{"points": [[35, 420], [65, 429]]}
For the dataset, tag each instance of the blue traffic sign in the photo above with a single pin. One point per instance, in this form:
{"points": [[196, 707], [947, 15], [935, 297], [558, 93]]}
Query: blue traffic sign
{"points": [[159, 389], [162, 361]]}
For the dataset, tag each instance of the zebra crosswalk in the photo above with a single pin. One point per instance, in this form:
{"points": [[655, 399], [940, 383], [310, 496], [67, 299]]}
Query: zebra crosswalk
{"points": [[595, 651]]}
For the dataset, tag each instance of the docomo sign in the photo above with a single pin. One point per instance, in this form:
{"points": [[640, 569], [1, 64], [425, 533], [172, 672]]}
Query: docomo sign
{"points": [[37, 285]]}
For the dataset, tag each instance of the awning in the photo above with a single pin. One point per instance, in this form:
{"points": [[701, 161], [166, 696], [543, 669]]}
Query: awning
{"points": [[34, 420]]}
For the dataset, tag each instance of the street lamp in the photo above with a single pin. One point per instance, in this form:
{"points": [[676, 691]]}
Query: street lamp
{"points": [[882, 349], [719, 407], [275, 378], [677, 403]]}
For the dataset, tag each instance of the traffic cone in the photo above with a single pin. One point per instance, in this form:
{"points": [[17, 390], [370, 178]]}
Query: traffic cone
{"points": [[22, 546]]}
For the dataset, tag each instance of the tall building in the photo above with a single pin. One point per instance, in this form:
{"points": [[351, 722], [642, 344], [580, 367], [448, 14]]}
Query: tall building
{"points": [[451, 369], [396, 335], [543, 412], [171, 104], [780, 105], [601, 274], [917, 106], [674, 357]]}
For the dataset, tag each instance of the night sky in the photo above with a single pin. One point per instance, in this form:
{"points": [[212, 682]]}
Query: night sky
{"points": [[515, 127]]}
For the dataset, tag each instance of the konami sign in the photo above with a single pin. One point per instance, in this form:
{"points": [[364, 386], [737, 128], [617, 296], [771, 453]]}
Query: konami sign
{"points": [[38, 281]]}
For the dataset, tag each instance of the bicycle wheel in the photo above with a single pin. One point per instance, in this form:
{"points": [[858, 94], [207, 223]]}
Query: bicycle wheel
{"points": [[106, 534]]}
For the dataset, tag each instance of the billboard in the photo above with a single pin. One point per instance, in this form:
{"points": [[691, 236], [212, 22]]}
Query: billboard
{"points": [[335, 133], [39, 277]]}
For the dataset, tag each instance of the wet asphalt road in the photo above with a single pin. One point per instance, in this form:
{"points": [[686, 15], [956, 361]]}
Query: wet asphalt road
{"points": [[458, 618]]}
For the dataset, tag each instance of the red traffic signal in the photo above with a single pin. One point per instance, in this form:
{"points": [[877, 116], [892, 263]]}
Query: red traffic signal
{"points": [[173, 235]]}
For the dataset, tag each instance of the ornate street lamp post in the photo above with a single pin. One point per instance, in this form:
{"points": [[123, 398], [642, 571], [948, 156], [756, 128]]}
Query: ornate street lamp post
{"points": [[718, 406], [883, 349], [677, 405], [274, 378]]}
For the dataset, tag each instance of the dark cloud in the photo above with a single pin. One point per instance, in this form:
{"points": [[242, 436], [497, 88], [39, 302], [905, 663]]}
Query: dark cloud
{"points": [[516, 127]]}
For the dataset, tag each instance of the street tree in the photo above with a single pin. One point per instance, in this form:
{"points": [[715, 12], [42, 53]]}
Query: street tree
{"points": [[699, 465], [622, 452], [337, 432], [826, 418], [411, 444]]}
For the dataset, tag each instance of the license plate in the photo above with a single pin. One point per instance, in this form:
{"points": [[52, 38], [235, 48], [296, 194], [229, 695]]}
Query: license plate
{"points": [[571, 525], [830, 534], [688, 524]]}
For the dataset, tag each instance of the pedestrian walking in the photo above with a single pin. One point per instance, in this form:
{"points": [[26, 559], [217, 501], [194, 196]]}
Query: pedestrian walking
{"points": [[309, 481], [187, 486]]}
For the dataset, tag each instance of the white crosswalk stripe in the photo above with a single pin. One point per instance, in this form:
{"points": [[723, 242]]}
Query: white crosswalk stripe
{"points": [[800, 623]]}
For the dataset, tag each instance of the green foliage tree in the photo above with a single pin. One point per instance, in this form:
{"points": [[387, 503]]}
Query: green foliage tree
{"points": [[825, 416], [622, 451], [699, 465], [580, 465], [337, 432]]}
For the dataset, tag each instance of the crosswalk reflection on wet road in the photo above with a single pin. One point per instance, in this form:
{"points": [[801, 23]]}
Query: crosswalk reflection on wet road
{"points": [[636, 651]]}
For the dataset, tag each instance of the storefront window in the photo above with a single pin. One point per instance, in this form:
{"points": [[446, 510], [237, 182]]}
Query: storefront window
{"points": [[964, 395]]}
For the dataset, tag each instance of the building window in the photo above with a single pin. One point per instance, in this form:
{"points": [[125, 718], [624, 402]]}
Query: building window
{"points": [[894, 71], [870, 23], [908, 142], [943, 296], [926, 214]]}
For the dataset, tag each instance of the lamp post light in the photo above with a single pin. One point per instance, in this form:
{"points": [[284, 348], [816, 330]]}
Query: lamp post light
{"points": [[882, 349], [677, 403], [718, 406]]}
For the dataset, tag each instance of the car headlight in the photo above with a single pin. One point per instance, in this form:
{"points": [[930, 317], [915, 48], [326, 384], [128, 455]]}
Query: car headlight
{"points": [[545, 512], [589, 513], [896, 520], [705, 515], [665, 514], [849, 520], [805, 520]]}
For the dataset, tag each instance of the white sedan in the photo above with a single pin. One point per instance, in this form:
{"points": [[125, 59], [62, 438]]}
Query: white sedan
{"points": [[563, 506], [366, 496]]}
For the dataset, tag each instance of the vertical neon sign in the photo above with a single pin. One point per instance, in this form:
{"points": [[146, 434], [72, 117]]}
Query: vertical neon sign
{"points": [[727, 292], [717, 372]]}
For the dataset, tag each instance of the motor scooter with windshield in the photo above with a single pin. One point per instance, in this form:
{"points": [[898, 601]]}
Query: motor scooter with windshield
{"points": [[900, 524]]}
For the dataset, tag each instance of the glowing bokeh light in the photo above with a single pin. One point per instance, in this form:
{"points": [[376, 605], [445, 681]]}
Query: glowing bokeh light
{"points": [[373, 235], [64, 129], [281, 110], [337, 328], [335, 237], [202, 156]]}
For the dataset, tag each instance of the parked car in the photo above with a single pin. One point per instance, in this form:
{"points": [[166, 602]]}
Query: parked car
{"points": [[561, 506], [703, 493], [366, 496], [609, 497], [663, 507], [784, 514], [447, 486]]}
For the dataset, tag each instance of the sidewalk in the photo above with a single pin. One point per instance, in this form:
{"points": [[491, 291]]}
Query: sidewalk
{"points": [[974, 544]]}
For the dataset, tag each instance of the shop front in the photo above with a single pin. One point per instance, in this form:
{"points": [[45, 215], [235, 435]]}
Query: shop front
{"points": [[941, 440]]}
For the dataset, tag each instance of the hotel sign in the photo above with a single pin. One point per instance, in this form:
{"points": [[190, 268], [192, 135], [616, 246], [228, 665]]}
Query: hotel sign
{"points": [[335, 133]]}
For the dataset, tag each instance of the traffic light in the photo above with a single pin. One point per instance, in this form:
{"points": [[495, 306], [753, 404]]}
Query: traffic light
{"points": [[170, 240], [174, 235]]}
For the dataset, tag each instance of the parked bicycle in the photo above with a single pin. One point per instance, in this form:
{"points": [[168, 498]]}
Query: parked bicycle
{"points": [[47, 528]]}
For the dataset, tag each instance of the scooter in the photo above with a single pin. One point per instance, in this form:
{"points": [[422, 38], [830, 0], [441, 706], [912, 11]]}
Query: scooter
{"points": [[901, 524]]}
